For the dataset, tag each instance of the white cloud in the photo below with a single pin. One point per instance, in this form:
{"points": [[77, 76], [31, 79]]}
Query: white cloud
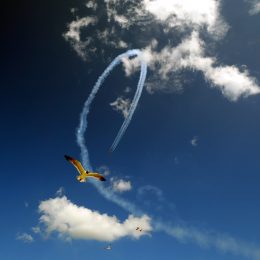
{"points": [[120, 185], [122, 20], [26, 238], [36, 230], [106, 37], [130, 65], [60, 192], [194, 141], [121, 105], [74, 28], [122, 44], [92, 4], [194, 14], [254, 6], [75, 222], [232, 82], [73, 35], [189, 54]]}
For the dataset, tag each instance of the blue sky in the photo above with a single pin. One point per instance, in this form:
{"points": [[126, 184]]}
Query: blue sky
{"points": [[189, 158]]}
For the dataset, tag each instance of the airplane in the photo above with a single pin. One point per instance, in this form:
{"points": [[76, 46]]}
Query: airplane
{"points": [[83, 173]]}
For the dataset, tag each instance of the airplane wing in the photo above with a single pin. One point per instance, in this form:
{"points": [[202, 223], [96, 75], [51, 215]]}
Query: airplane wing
{"points": [[76, 163], [96, 175]]}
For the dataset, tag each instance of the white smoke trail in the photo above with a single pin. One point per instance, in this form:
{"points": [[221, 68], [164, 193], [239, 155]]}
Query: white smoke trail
{"points": [[106, 192], [83, 117]]}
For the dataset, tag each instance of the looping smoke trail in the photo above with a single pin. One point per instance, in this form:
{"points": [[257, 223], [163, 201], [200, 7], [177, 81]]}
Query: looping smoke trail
{"points": [[83, 117], [107, 193]]}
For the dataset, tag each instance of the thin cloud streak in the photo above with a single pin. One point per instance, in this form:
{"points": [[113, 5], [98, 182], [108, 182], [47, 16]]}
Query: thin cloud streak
{"points": [[206, 239], [24, 237]]}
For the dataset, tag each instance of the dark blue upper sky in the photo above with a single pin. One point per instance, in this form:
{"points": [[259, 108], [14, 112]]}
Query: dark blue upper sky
{"points": [[209, 189]]}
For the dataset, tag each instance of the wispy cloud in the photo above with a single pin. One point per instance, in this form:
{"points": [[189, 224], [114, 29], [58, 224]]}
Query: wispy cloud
{"points": [[60, 192], [36, 230], [148, 189], [73, 35], [104, 170], [194, 141], [24, 237], [92, 4], [254, 6], [121, 105], [208, 239], [77, 222], [188, 14], [152, 198]]}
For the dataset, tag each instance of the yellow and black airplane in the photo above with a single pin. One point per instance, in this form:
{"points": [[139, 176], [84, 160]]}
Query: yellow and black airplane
{"points": [[83, 173]]}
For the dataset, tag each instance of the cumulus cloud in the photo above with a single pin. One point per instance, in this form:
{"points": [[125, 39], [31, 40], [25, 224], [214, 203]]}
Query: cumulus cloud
{"points": [[192, 14], [76, 222], [120, 185], [121, 105], [190, 54], [26, 238]]}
